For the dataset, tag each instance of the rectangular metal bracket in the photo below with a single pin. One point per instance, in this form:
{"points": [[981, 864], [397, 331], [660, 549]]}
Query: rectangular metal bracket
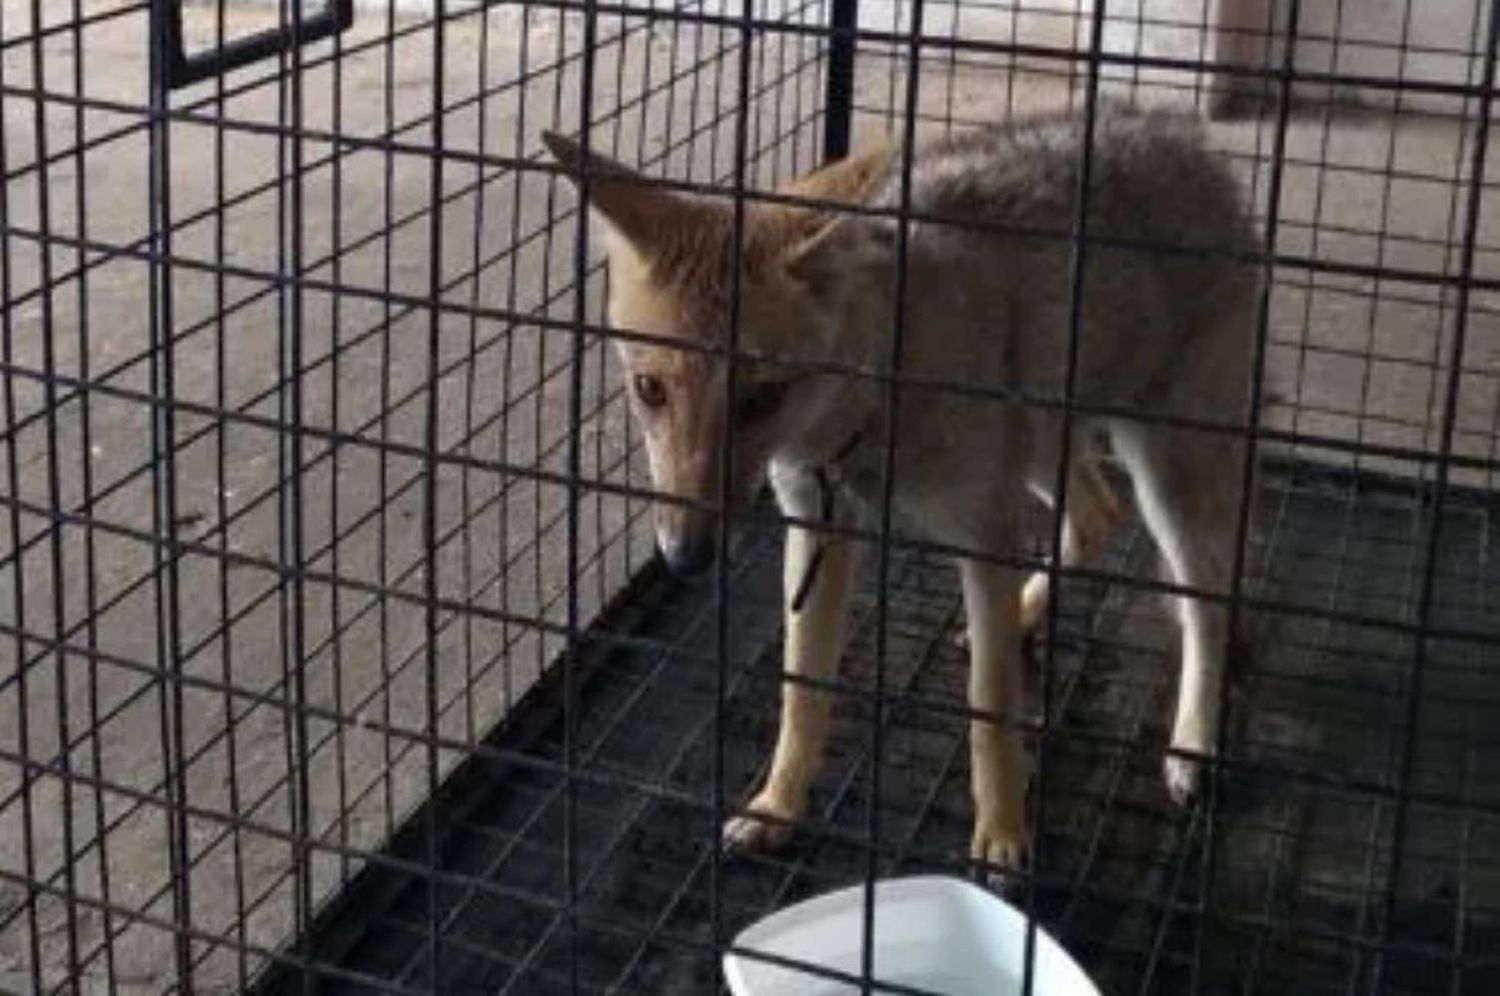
{"points": [[185, 70]]}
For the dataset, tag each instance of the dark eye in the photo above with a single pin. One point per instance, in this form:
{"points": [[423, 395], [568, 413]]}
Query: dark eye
{"points": [[758, 401], [650, 390]]}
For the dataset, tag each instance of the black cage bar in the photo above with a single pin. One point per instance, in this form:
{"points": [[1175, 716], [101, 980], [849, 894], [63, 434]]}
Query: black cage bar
{"points": [[338, 656]]}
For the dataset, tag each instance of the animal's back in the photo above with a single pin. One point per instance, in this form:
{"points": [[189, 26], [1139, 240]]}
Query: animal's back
{"points": [[1172, 266], [1151, 178]]}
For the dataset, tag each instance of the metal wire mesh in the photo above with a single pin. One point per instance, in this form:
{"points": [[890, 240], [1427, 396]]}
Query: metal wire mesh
{"points": [[335, 655]]}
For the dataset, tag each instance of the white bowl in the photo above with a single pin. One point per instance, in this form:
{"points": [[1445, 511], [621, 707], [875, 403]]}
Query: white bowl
{"points": [[944, 935]]}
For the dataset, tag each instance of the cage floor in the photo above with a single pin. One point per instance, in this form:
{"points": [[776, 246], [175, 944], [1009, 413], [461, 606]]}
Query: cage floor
{"points": [[1308, 884]]}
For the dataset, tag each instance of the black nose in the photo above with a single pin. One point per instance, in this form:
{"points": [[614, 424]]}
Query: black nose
{"points": [[689, 556]]}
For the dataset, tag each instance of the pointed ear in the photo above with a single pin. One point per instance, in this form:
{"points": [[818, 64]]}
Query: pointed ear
{"points": [[845, 244], [834, 243], [636, 210], [828, 243], [853, 179]]}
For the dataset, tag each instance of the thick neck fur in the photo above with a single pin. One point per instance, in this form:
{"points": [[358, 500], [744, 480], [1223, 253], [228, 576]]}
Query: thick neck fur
{"points": [[842, 405]]}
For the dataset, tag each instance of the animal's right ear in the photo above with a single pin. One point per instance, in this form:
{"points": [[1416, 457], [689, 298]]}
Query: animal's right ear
{"points": [[637, 211], [832, 243], [843, 245]]}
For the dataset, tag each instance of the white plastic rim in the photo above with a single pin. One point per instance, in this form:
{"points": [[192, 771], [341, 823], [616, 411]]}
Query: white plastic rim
{"points": [[940, 934]]}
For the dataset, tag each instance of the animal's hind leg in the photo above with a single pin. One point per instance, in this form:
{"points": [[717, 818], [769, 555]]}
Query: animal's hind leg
{"points": [[1187, 486], [1092, 512]]}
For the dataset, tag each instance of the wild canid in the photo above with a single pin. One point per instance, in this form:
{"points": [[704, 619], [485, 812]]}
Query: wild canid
{"points": [[1166, 327]]}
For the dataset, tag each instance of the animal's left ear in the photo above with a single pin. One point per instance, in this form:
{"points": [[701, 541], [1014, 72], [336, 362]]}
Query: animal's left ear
{"points": [[816, 260], [853, 179], [831, 242], [845, 244]]}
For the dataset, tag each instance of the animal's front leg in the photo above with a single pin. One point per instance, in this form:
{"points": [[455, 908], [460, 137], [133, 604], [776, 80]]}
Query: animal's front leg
{"points": [[814, 643], [998, 763]]}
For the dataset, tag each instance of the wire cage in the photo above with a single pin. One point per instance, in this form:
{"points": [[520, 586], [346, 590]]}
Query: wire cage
{"points": [[338, 657]]}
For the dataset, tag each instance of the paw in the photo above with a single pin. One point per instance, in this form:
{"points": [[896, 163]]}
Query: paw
{"points": [[1000, 842], [765, 825], [1034, 601], [1184, 776]]}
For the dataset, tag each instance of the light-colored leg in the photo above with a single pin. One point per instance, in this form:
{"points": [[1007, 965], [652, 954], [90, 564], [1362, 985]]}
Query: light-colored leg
{"points": [[1187, 487], [1092, 514], [992, 604], [813, 645]]}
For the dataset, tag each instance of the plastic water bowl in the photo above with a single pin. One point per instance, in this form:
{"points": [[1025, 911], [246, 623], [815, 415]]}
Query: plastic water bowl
{"points": [[942, 935]]}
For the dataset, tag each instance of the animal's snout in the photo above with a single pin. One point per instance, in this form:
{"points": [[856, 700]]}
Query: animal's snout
{"points": [[689, 553]]}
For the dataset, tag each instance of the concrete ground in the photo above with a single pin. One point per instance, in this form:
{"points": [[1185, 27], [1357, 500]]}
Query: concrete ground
{"points": [[1360, 358]]}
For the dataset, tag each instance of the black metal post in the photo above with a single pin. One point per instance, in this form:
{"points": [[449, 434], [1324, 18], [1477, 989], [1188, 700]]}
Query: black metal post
{"points": [[838, 111]]}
